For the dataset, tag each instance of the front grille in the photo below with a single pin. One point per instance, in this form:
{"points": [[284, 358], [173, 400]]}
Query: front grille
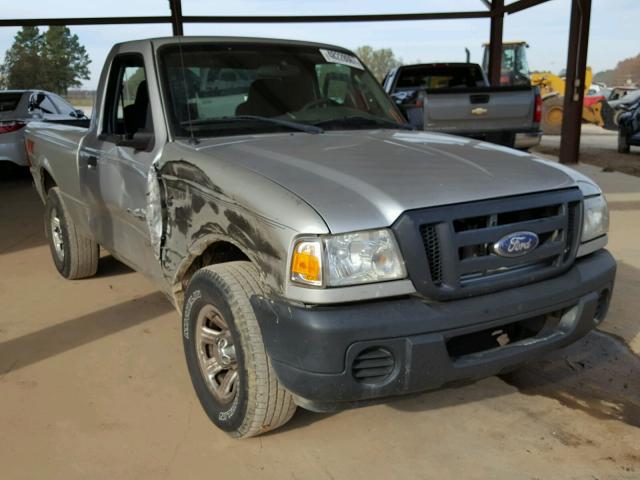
{"points": [[373, 365], [457, 243]]}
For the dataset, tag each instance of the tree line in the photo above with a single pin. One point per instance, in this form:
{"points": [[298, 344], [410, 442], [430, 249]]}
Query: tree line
{"points": [[53, 60], [627, 70]]}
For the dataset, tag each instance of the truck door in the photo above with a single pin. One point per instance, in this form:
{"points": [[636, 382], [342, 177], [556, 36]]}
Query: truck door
{"points": [[115, 161]]}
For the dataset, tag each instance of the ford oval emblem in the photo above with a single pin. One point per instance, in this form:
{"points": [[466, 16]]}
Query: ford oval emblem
{"points": [[516, 244]]}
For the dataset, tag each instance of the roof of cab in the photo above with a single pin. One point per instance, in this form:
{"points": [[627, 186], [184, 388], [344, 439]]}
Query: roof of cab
{"points": [[160, 41]]}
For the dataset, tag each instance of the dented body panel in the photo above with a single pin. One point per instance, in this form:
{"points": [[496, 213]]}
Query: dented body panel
{"points": [[209, 201]]}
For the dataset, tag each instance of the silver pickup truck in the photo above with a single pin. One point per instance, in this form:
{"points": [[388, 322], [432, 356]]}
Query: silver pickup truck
{"points": [[321, 253], [456, 98]]}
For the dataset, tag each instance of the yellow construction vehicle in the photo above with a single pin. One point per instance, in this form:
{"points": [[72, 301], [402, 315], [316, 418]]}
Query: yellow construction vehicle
{"points": [[515, 71]]}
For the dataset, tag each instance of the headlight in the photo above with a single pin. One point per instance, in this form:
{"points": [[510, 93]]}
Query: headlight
{"points": [[349, 259], [596, 218]]}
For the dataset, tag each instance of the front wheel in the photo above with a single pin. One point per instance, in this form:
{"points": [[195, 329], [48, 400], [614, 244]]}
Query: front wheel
{"points": [[229, 367]]}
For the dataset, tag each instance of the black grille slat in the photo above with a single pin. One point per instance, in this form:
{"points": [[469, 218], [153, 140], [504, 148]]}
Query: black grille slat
{"points": [[492, 234], [457, 258], [572, 227], [493, 262]]}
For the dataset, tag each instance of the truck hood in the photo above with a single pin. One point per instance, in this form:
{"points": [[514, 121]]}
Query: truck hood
{"points": [[365, 179]]}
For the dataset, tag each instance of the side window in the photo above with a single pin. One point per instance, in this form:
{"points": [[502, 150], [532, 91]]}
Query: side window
{"points": [[44, 103], [63, 107], [127, 108]]}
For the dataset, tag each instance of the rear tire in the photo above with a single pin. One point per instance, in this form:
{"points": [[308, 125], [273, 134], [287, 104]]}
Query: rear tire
{"points": [[74, 255], [623, 142], [552, 112], [227, 361]]}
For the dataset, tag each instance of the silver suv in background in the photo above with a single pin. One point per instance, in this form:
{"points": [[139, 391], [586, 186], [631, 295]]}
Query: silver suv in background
{"points": [[19, 107]]}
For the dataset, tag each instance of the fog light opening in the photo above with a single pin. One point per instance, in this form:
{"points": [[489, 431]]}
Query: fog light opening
{"points": [[569, 318], [373, 365]]}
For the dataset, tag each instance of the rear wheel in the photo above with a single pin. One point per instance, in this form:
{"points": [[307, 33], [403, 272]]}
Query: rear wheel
{"points": [[623, 142], [229, 367], [552, 110], [74, 255]]}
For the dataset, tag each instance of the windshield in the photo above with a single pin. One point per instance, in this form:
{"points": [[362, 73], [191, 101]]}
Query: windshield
{"points": [[215, 90], [440, 76]]}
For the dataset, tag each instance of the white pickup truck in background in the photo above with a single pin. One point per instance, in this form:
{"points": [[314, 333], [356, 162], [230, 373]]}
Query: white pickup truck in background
{"points": [[457, 98]]}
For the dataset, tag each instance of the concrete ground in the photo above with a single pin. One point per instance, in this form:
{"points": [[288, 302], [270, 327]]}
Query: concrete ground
{"points": [[598, 147], [93, 384]]}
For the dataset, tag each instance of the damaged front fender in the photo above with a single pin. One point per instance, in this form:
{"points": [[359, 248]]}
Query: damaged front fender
{"points": [[155, 217]]}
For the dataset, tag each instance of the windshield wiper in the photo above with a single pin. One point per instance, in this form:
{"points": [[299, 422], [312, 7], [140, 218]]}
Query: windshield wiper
{"points": [[303, 127], [362, 121]]}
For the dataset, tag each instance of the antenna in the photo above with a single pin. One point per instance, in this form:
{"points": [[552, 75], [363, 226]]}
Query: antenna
{"points": [[193, 139]]}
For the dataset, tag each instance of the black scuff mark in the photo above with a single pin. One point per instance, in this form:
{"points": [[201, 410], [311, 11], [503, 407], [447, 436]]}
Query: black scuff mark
{"points": [[189, 172], [197, 202], [241, 228], [171, 259], [208, 229], [182, 218], [214, 207]]}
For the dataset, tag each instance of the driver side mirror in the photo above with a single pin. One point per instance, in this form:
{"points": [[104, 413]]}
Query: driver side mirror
{"points": [[78, 113]]}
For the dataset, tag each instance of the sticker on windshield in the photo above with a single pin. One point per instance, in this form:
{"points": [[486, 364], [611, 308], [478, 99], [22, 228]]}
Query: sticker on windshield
{"points": [[341, 58]]}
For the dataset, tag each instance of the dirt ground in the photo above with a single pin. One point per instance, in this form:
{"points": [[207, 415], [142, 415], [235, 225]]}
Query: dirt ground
{"points": [[93, 384], [598, 147]]}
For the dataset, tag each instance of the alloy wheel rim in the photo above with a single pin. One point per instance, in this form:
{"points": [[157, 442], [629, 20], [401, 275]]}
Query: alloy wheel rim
{"points": [[56, 234], [216, 354]]}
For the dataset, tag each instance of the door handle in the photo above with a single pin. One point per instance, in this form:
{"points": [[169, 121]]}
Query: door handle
{"points": [[92, 161]]}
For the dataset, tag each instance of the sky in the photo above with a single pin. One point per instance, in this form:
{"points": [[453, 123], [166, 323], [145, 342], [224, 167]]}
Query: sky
{"points": [[614, 35]]}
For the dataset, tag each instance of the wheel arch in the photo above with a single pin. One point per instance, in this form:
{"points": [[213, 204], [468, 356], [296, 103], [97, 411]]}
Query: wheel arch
{"points": [[47, 181], [206, 251]]}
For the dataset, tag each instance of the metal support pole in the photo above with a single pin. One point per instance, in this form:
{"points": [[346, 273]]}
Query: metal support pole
{"points": [[575, 81], [176, 17], [495, 41]]}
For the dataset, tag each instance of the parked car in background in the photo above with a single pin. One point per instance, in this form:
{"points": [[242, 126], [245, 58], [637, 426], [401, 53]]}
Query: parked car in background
{"points": [[457, 98], [19, 107], [629, 127], [619, 103], [321, 254]]}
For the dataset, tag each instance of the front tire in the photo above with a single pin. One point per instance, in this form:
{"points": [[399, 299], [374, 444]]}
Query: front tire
{"points": [[229, 367], [74, 255]]}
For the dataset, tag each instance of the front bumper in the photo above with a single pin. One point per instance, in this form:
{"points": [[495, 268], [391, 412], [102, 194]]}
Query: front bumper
{"points": [[314, 350]]}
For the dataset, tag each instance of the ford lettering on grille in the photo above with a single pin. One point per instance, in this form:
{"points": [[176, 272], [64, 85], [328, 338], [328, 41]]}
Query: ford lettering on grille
{"points": [[516, 244]]}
